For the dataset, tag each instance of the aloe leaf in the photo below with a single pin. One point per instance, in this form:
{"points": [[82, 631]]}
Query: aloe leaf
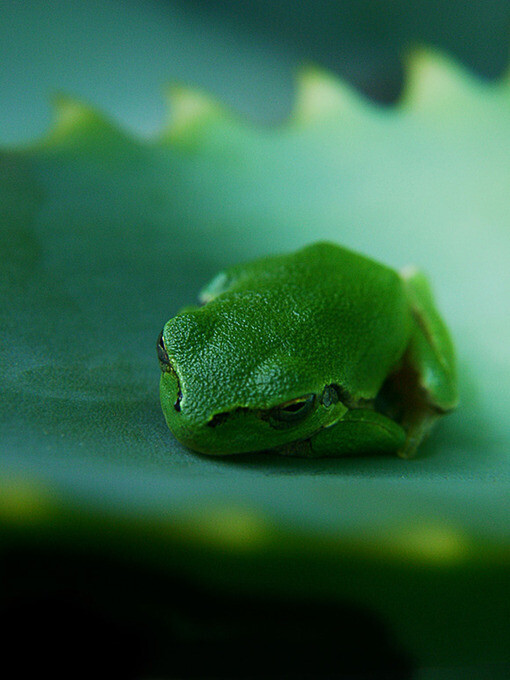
{"points": [[105, 236]]}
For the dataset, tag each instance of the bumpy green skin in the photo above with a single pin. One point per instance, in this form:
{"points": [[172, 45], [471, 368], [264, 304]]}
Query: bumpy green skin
{"points": [[322, 352]]}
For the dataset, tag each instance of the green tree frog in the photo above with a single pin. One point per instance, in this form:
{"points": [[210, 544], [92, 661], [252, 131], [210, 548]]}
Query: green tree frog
{"points": [[321, 352]]}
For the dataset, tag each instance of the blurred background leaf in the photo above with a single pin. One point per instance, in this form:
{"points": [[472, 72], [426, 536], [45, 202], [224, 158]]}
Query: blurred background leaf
{"points": [[118, 54]]}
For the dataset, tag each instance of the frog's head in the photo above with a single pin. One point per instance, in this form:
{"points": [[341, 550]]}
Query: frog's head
{"points": [[233, 381]]}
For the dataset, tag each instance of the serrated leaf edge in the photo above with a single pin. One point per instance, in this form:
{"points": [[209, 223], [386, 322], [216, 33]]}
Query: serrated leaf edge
{"points": [[434, 81]]}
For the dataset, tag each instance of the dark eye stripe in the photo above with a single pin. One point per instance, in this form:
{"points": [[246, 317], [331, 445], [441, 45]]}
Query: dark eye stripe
{"points": [[165, 365], [161, 350], [177, 405]]}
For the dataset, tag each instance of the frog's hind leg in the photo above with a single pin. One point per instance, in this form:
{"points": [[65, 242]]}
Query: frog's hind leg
{"points": [[426, 381]]}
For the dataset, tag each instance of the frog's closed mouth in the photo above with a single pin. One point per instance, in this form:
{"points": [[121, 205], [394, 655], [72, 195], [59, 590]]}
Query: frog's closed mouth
{"points": [[322, 352]]}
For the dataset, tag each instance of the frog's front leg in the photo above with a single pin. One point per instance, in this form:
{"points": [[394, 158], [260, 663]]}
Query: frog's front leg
{"points": [[360, 431]]}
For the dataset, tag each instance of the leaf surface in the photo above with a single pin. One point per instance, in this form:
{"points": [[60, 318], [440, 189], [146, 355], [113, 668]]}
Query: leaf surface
{"points": [[105, 236]]}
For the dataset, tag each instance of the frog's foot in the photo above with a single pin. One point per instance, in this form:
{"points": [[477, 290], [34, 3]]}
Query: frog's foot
{"points": [[417, 432]]}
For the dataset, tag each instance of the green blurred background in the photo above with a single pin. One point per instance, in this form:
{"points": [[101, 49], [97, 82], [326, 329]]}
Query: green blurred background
{"points": [[115, 540], [118, 55]]}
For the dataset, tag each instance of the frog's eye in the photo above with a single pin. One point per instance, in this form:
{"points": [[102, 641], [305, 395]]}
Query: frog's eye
{"points": [[162, 353], [293, 411]]}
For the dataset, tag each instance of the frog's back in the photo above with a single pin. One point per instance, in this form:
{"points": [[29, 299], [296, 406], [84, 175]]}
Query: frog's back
{"points": [[341, 317]]}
